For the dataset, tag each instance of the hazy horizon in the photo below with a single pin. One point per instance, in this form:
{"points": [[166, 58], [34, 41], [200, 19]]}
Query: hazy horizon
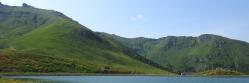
{"points": [[154, 19]]}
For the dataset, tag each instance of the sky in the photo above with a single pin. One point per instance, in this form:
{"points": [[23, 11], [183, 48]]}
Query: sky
{"points": [[154, 18]]}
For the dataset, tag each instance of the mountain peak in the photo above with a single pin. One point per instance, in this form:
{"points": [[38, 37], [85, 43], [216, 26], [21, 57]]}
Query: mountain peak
{"points": [[208, 35], [1, 4], [26, 5]]}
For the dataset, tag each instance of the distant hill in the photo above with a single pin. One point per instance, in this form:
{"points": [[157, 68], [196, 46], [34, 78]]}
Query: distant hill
{"points": [[191, 54], [38, 40]]}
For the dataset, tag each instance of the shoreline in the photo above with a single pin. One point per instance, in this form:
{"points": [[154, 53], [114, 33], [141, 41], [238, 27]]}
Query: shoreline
{"points": [[2, 75], [77, 74]]}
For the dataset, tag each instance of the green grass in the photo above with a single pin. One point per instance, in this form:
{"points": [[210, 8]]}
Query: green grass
{"points": [[37, 40], [61, 40], [5, 80], [23, 62], [220, 72]]}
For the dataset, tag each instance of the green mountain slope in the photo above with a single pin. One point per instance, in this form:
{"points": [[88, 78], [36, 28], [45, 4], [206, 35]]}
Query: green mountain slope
{"points": [[52, 42], [191, 54]]}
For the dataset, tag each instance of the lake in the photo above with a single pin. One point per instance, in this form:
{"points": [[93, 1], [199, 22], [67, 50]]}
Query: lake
{"points": [[131, 79]]}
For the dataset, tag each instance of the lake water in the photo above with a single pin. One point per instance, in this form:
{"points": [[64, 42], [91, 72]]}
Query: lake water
{"points": [[131, 79]]}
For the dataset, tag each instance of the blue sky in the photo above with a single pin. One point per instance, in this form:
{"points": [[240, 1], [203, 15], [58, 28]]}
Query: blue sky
{"points": [[155, 18]]}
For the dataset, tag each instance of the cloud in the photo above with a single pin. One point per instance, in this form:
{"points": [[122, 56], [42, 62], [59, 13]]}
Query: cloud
{"points": [[138, 17]]}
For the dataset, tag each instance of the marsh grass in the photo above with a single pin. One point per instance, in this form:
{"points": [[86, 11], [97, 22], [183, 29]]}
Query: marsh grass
{"points": [[6, 80]]}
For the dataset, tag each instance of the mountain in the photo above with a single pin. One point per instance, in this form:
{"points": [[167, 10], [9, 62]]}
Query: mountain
{"points": [[191, 54], [39, 40]]}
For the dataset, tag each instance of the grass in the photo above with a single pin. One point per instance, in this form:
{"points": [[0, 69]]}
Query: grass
{"points": [[71, 41], [6, 80], [220, 72], [44, 41]]}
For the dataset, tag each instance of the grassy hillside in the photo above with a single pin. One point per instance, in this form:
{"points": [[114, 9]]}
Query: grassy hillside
{"points": [[219, 72], [36, 40], [191, 54]]}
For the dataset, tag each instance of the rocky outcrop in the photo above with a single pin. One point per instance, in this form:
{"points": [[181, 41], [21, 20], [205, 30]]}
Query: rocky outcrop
{"points": [[26, 5], [1, 5]]}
